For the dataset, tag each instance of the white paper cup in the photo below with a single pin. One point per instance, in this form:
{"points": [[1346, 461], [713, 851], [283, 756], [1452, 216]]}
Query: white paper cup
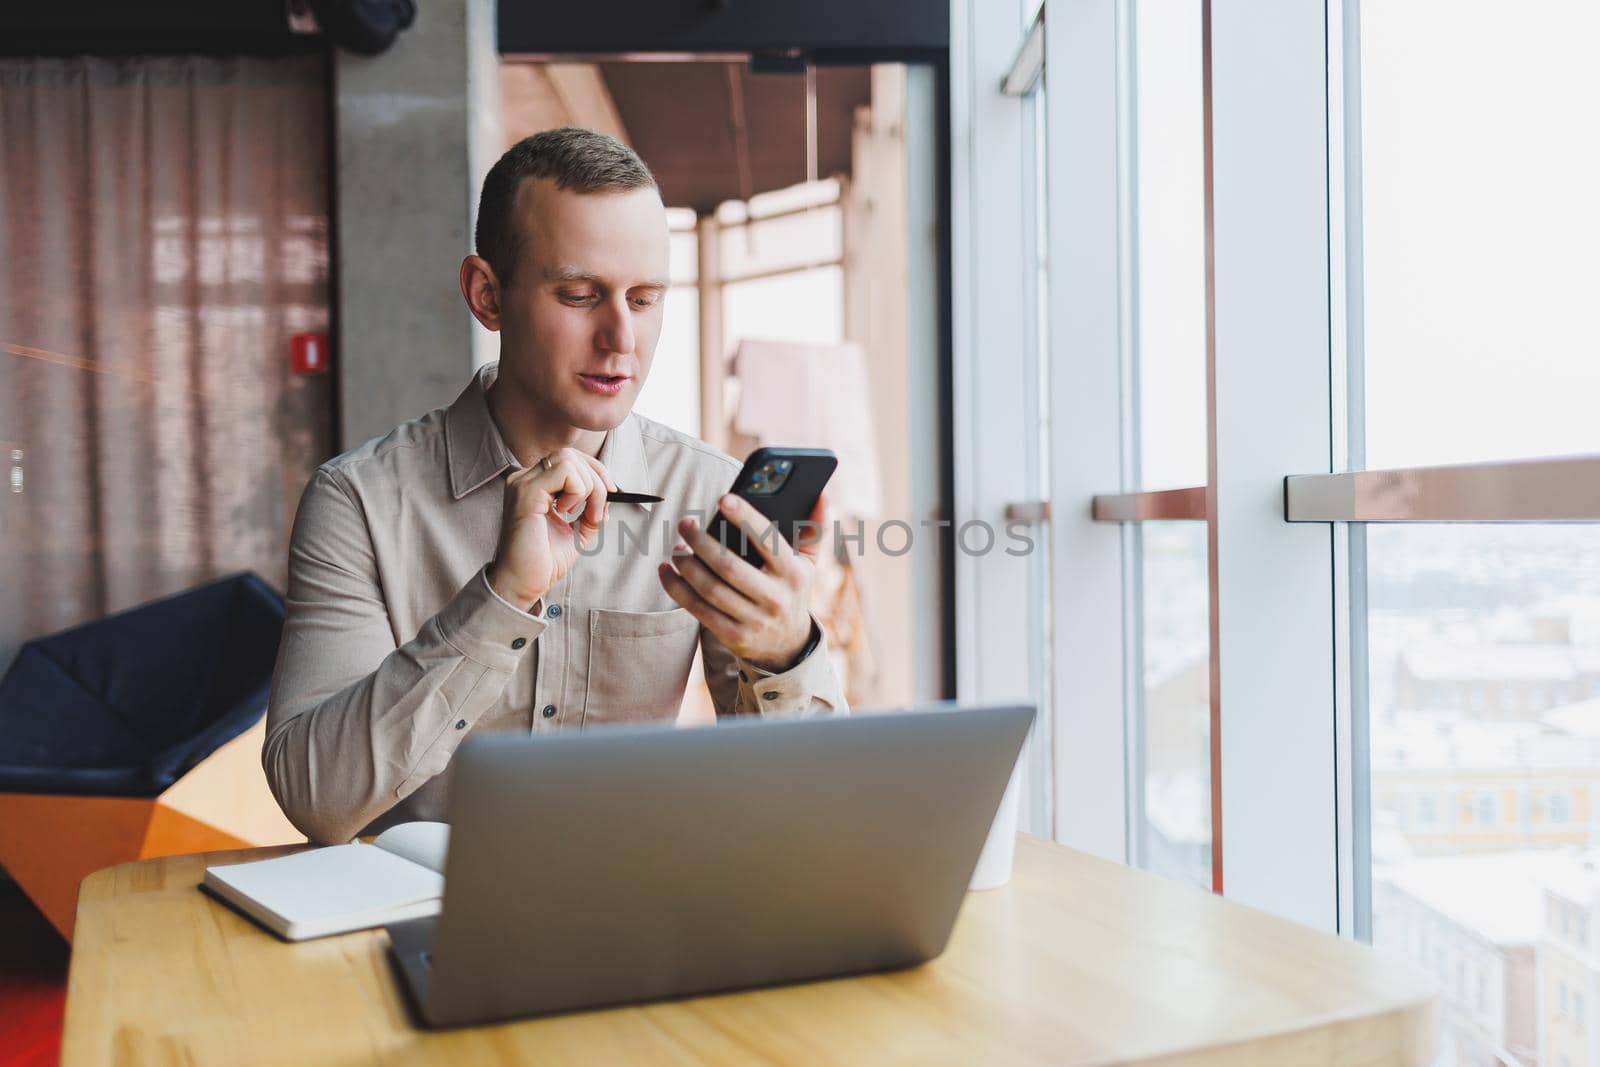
{"points": [[994, 864]]}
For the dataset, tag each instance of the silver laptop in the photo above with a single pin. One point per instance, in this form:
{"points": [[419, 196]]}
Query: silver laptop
{"points": [[632, 864]]}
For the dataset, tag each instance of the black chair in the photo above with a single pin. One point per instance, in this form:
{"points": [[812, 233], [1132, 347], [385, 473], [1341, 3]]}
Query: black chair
{"points": [[123, 706], [98, 724]]}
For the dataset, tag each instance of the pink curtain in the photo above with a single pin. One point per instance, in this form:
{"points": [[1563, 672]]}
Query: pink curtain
{"points": [[163, 233]]}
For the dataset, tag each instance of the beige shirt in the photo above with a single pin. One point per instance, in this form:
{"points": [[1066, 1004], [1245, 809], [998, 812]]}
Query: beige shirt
{"points": [[396, 650]]}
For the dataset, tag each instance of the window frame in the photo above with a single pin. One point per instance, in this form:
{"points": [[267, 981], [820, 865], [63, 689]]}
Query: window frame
{"points": [[1090, 661], [1281, 827], [989, 285], [1085, 791], [1287, 498]]}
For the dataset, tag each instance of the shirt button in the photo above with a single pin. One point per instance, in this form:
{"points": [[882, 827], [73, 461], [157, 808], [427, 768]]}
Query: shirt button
{"points": [[461, 724], [519, 642], [770, 694], [549, 711], [553, 612]]}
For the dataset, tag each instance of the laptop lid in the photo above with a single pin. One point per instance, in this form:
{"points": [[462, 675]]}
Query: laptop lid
{"points": [[630, 864]]}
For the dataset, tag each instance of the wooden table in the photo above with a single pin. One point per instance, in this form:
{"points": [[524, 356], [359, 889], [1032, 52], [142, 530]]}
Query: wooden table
{"points": [[1076, 962]]}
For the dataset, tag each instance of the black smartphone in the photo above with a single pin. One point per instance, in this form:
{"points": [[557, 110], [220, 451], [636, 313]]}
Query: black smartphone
{"points": [[783, 484]]}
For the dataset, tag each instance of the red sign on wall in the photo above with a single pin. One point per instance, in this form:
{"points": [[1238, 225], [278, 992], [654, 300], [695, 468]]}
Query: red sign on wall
{"points": [[308, 353]]}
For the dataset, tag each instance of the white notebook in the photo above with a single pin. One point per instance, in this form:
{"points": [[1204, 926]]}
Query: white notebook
{"points": [[342, 887]]}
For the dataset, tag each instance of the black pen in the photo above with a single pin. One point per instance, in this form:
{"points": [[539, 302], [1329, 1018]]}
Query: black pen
{"points": [[620, 496]]}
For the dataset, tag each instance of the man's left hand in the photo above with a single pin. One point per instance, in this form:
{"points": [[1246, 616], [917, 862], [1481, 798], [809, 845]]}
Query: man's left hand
{"points": [[763, 614]]}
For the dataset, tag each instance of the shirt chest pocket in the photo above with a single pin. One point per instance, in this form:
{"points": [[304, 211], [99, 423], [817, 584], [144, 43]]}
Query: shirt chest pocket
{"points": [[639, 663]]}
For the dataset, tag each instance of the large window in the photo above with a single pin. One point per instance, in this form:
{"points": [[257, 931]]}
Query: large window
{"points": [[1343, 423], [1163, 181], [1473, 339]]}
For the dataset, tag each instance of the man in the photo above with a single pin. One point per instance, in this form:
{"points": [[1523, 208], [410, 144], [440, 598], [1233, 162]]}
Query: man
{"points": [[466, 573]]}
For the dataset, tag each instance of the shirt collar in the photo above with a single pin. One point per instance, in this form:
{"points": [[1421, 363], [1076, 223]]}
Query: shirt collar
{"points": [[476, 453]]}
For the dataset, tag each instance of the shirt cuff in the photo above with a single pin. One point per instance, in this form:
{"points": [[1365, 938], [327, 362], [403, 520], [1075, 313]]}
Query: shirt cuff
{"points": [[535, 610], [794, 689], [485, 628]]}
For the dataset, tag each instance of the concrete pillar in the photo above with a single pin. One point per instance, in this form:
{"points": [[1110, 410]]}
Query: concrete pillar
{"points": [[415, 131]]}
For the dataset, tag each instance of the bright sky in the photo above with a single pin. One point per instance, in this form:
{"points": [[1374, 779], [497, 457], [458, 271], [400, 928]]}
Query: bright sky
{"points": [[1482, 232], [1482, 235], [1171, 250]]}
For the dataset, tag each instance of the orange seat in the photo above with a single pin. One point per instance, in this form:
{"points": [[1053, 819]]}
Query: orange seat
{"points": [[50, 842]]}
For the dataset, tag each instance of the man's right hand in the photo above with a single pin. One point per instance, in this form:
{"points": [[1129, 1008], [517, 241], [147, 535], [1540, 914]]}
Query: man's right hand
{"points": [[537, 545]]}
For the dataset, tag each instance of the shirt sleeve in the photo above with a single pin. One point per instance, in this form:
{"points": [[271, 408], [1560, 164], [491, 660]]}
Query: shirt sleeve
{"points": [[356, 723], [810, 687]]}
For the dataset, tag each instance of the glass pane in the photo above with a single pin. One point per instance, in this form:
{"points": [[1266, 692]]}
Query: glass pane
{"points": [[684, 257], [805, 306], [671, 393], [1484, 675], [1480, 167], [1170, 754], [778, 201], [1174, 835], [1038, 816], [762, 245], [1169, 210]]}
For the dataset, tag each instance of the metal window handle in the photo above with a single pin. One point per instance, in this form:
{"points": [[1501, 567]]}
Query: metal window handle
{"points": [[1554, 489], [1032, 512], [16, 470]]}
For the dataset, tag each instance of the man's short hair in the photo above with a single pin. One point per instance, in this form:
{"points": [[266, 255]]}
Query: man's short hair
{"points": [[581, 160]]}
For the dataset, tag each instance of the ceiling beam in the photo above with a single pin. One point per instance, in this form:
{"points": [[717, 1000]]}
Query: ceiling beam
{"points": [[582, 89]]}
